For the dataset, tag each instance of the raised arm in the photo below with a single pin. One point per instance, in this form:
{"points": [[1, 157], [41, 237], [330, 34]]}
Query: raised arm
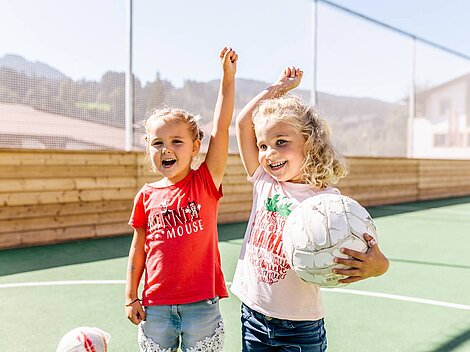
{"points": [[216, 157], [289, 78], [135, 269]]}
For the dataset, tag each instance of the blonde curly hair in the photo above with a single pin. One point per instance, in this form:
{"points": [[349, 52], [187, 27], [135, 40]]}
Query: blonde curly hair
{"points": [[323, 165]]}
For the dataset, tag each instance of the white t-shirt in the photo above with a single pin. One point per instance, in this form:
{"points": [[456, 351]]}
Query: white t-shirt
{"points": [[263, 278]]}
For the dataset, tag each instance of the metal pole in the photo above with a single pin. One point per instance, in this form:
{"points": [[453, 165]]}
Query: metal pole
{"points": [[395, 29], [313, 97], [129, 102], [412, 102]]}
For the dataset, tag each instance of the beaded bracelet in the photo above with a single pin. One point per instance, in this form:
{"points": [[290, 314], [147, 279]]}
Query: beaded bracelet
{"points": [[135, 300]]}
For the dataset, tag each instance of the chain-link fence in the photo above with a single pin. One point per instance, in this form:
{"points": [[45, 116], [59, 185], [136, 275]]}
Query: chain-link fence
{"points": [[384, 92], [52, 95]]}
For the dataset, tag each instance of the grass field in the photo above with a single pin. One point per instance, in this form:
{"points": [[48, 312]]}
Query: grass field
{"points": [[421, 304]]}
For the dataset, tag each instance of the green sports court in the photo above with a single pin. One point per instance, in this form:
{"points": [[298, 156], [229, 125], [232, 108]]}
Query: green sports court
{"points": [[422, 304]]}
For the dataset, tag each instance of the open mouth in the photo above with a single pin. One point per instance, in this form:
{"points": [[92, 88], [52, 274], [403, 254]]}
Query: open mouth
{"points": [[277, 166], [168, 162]]}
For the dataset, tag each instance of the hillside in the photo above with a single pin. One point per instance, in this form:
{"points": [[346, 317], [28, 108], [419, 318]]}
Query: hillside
{"points": [[31, 69], [361, 126]]}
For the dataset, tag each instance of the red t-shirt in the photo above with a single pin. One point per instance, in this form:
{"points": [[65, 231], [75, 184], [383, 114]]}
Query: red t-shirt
{"points": [[182, 256]]}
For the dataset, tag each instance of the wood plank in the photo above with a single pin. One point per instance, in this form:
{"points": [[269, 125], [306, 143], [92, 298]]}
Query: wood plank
{"points": [[378, 182], [377, 196], [236, 197], [444, 172], [235, 179], [66, 171], [376, 160], [140, 181], [235, 207], [380, 190], [234, 160], [444, 192], [144, 172], [43, 223], [233, 217], [66, 158], [42, 237], [228, 189], [450, 181], [235, 170], [385, 201], [51, 210], [51, 184], [54, 197]]}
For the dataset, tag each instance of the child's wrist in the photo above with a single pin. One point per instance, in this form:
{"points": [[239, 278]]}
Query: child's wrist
{"points": [[227, 82], [131, 302], [278, 90], [228, 77]]}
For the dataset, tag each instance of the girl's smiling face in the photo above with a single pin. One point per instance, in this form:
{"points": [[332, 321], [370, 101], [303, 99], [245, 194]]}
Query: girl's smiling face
{"points": [[171, 148], [280, 149]]}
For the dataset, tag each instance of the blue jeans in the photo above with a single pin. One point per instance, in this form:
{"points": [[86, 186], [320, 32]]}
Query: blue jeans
{"points": [[194, 325], [261, 333]]}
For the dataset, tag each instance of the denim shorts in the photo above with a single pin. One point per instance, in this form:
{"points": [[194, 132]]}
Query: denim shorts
{"points": [[261, 333], [192, 327]]}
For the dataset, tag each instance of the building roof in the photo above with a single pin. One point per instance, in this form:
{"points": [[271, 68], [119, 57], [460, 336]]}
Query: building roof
{"points": [[23, 124], [464, 78]]}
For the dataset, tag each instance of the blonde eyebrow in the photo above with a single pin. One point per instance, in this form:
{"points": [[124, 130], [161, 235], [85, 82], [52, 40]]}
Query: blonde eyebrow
{"points": [[171, 137]]}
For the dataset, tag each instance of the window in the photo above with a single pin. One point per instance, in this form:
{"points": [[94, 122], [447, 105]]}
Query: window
{"points": [[440, 140], [444, 107]]}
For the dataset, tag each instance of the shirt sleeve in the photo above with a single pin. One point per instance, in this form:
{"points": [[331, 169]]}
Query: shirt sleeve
{"points": [[332, 190], [256, 175], [138, 218], [208, 182]]}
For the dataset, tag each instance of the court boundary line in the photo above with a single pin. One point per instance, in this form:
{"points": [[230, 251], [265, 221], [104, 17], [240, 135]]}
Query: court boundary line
{"points": [[61, 283], [334, 290], [399, 298]]}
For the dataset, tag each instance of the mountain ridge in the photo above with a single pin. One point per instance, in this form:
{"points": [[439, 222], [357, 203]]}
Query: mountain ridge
{"points": [[31, 69]]}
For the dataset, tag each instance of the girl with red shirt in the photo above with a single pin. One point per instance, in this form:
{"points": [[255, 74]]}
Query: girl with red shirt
{"points": [[175, 230]]}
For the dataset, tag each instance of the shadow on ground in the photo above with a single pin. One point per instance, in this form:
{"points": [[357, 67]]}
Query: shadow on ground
{"points": [[395, 209], [419, 262], [454, 343], [14, 261]]}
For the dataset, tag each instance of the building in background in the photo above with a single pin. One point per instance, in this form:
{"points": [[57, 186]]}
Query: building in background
{"points": [[441, 127]]}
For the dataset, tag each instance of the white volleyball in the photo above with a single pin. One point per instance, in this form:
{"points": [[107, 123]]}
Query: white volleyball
{"points": [[317, 229]]}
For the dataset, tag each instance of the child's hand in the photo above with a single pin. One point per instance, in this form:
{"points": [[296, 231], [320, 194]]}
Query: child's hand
{"points": [[135, 313], [229, 58], [362, 265], [289, 78]]}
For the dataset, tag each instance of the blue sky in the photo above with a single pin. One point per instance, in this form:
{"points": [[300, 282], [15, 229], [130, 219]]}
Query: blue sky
{"points": [[180, 39], [443, 22]]}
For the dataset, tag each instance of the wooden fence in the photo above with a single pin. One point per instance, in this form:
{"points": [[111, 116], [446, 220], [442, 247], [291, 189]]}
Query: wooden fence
{"points": [[55, 196]]}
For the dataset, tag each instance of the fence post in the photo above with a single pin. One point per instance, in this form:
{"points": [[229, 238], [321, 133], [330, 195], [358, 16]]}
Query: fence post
{"points": [[411, 102], [129, 101], [313, 93]]}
